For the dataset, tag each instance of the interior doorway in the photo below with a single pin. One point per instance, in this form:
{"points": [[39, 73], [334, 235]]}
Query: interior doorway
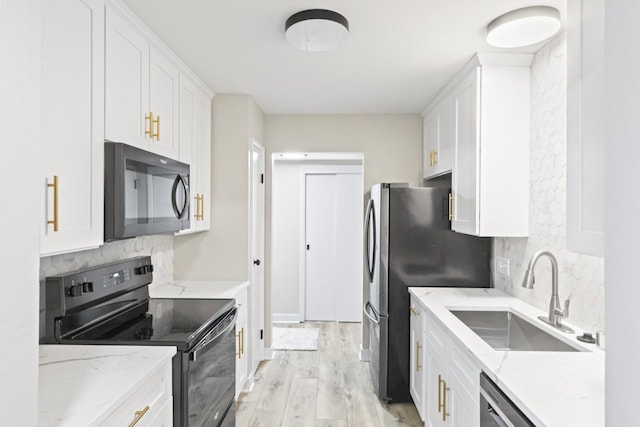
{"points": [[317, 200]]}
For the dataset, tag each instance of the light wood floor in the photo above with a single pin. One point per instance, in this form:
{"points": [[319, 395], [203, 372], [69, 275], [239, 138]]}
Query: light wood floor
{"points": [[325, 388]]}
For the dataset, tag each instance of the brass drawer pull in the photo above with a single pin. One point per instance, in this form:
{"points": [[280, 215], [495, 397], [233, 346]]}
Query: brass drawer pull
{"points": [[414, 311], [450, 207], [139, 415], [54, 221], [150, 131], [418, 365]]}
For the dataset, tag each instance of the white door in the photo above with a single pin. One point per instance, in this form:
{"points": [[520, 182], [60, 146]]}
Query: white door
{"points": [[256, 349], [333, 247], [321, 241]]}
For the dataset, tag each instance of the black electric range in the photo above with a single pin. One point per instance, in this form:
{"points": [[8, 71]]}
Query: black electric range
{"points": [[110, 305]]}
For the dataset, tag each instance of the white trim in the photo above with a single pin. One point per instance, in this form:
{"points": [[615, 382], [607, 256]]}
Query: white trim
{"points": [[268, 353], [365, 356], [315, 156], [285, 318]]}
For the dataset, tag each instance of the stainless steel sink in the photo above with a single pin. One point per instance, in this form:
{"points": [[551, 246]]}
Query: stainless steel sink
{"points": [[506, 331]]}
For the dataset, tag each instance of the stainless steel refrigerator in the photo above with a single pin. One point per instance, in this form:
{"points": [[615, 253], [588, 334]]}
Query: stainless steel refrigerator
{"points": [[409, 243]]}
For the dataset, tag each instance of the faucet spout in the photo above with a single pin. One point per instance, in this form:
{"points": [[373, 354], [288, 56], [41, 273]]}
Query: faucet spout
{"points": [[556, 313]]}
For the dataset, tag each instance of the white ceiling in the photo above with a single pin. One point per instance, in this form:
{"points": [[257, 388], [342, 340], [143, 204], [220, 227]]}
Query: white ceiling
{"points": [[398, 53]]}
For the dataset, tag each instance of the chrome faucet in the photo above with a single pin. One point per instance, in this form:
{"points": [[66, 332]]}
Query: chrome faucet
{"points": [[556, 314]]}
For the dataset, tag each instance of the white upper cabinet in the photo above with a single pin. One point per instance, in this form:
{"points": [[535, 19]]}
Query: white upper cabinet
{"points": [[163, 104], [490, 174], [585, 126], [127, 83], [439, 138], [72, 165], [141, 93], [195, 149]]}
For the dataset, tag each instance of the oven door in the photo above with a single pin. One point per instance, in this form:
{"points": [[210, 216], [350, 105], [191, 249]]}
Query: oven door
{"points": [[208, 378], [144, 193]]}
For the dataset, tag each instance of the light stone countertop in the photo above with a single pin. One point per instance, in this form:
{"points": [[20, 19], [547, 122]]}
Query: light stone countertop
{"points": [[554, 389], [80, 385], [199, 289]]}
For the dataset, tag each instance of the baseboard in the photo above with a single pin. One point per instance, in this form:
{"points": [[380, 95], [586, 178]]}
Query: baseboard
{"points": [[364, 355], [285, 318], [268, 353]]}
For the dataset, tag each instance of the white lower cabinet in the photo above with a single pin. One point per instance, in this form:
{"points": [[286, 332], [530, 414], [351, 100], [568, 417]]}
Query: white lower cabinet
{"points": [[148, 404], [417, 364], [446, 388], [242, 339]]}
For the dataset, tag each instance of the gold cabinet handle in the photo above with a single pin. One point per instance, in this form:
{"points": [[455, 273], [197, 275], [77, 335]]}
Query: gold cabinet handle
{"points": [[435, 157], [156, 135], [239, 353], [440, 393], [418, 365], [149, 132], [54, 221], [431, 158], [445, 414], [242, 341], [414, 311], [197, 216], [202, 207], [450, 207], [139, 415]]}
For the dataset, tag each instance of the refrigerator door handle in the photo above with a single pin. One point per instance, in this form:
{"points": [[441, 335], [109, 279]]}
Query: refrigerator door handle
{"points": [[365, 309], [370, 221]]}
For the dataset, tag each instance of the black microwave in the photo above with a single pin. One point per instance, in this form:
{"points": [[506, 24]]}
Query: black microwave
{"points": [[144, 193]]}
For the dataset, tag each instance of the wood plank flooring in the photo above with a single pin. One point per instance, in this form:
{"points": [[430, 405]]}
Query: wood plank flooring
{"points": [[325, 388]]}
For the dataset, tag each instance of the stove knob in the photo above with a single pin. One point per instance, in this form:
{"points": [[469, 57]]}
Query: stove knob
{"points": [[87, 287], [76, 290], [150, 268], [140, 270]]}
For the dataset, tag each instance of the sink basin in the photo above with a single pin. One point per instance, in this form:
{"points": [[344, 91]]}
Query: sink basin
{"points": [[506, 331]]}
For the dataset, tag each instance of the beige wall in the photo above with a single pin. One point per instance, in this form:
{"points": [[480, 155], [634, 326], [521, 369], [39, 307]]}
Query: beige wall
{"points": [[392, 147], [222, 253]]}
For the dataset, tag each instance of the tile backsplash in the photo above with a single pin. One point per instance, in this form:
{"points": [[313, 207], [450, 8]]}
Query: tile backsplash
{"points": [[160, 248], [581, 277]]}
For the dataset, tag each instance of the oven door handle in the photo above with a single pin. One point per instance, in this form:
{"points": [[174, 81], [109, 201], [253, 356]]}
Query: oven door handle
{"points": [[215, 335]]}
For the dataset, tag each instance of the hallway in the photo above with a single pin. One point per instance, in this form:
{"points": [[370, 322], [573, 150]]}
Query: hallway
{"points": [[328, 387]]}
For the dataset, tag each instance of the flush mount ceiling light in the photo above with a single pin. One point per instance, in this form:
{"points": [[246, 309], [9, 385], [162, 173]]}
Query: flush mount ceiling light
{"points": [[523, 27], [316, 30]]}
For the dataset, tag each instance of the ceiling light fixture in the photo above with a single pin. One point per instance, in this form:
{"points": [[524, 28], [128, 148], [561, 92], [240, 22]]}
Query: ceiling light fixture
{"points": [[523, 27], [316, 30]]}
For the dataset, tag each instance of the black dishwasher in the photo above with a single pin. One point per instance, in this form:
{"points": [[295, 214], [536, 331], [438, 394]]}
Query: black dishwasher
{"points": [[496, 409]]}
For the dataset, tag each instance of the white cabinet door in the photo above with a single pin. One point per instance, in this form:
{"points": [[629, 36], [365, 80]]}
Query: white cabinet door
{"points": [[195, 149], [465, 179], [163, 104], [490, 177], [435, 392], [127, 83], [72, 125], [585, 127], [242, 341], [203, 161], [163, 417], [417, 359], [464, 411], [439, 138]]}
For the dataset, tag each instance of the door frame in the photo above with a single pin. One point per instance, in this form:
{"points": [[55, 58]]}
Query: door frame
{"points": [[317, 169], [257, 300]]}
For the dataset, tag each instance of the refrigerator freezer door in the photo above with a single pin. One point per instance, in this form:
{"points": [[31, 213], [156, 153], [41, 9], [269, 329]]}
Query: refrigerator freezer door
{"points": [[378, 335]]}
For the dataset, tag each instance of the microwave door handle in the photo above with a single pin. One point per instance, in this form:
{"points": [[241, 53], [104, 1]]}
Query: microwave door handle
{"points": [[207, 341], [179, 211]]}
